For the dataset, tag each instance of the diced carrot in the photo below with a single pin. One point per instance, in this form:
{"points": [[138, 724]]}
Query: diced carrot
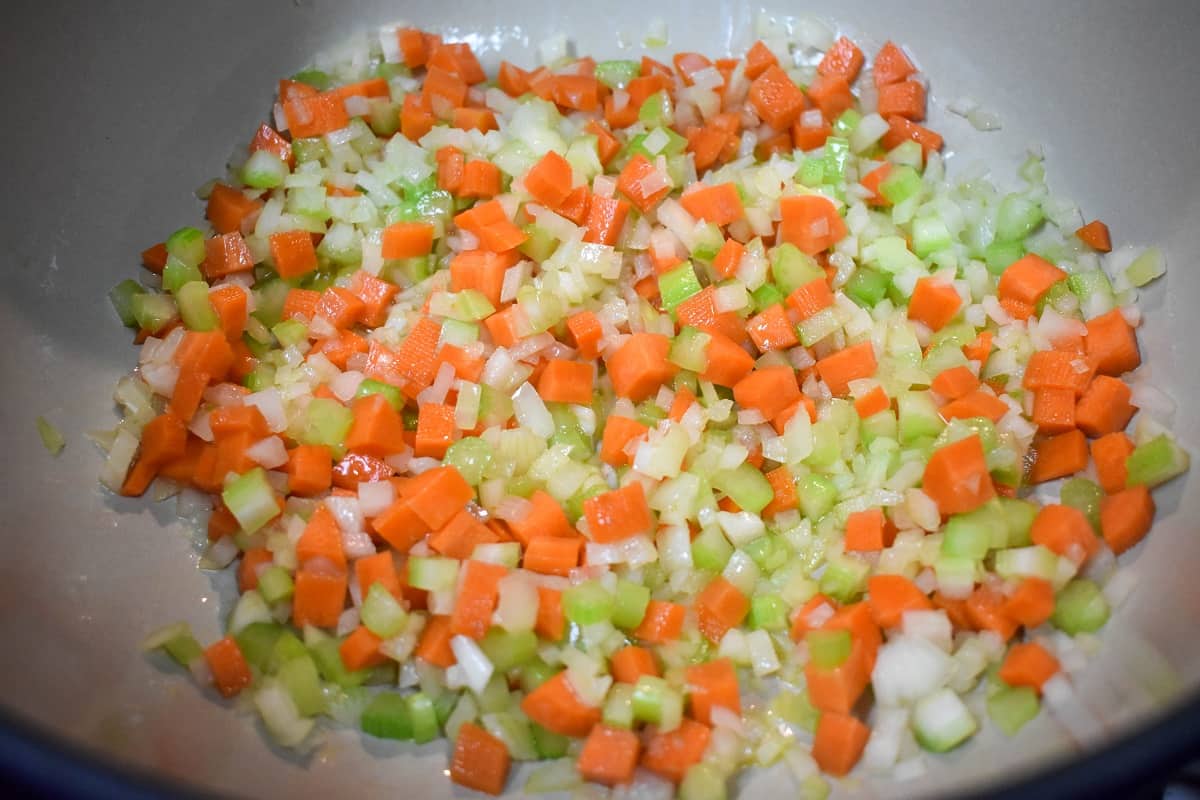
{"points": [[478, 592], [934, 303], [466, 366], [436, 430], [726, 362], [775, 98], [955, 382], [1028, 278], [720, 204], [872, 403], [769, 390], [565, 381], [639, 181], [985, 610], [1111, 344], [811, 298], [783, 484], [872, 182], [552, 555], [837, 689], [577, 92], [974, 404], [618, 514], [957, 478], [480, 179], [164, 439], [609, 755], [700, 311], [301, 303], [618, 432], [400, 526], [513, 80], [437, 495], [407, 240], [249, 565], [360, 650], [851, 363], [719, 607], [316, 115], [228, 209], [508, 326], [482, 271], [226, 254], [459, 537], [340, 307], [811, 222], [831, 94], [606, 144], [980, 349], [155, 258], [556, 706], [356, 468], [480, 760], [889, 596], [1031, 603], [669, 754], [229, 420], [549, 180], [771, 329], [1125, 517], [412, 47], [1066, 531], [867, 531], [955, 608], [631, 662], [809, 137], [891, 65], [545, 518], [376, 296], [457, 59], [1109, 452], [230, 303], [293, 253], [228, 666], [1095, 235], [320, 596], [1057, 369], [450, 165], [268, 139], [434, 645], [584, 328], [904, 99], [902, 130], [379, 568], [1059, 456], [662, 623], [726, 262], [713, 684], [758, 59], [640, 366], [415, 361], [322, 538], [1028, 664], [377, 429], [839, 743], [443, 91], [1104, 407], [491, 224], [684, 399], [474, 119], [551, 622]]}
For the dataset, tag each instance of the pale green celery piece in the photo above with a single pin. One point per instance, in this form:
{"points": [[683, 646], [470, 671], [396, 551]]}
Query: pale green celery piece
{"points": [[52, 438]]}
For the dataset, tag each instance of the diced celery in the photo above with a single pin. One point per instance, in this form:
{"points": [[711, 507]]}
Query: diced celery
{"points": [[312, 149], [795, 708], [548, 743], [791, 268], [711, 550], [999, 255], [618, 706], [972, 534], [540, 245], [746, 486], [617, 74], [654, 701], [1012, 707], [689, 349], [901, 183], [470, 456], [847, 122], [176, 275], [275, 584], [508, 650], [421, 711], [1019, 514], [264, 170], [1024, 562], [766, 296], [707, 241], [907, 153], [326, 422], [325, 652], [588, 603], [930, 234], [702, 781], [837, 153], [1148, 266], [534, 673], [315, 78], [672, 144], [1084, 495], [1016, 218], [287, 646], [891, 254], [299, 676], [370, 386], [818, 326], [251, 500], [678, 285], [1094, 291], [918, 416], [768, 552], [867, 287], [290, 332], [817, 494], [387, 717], [152, 311], [828, 649], [177, 641], [432, 574], [257, 642], [657, 111], [186, 246], [1080, 608], [381, 613], [812, 171], [195, 309], [881, 425], [630, 605], [1156, 462], [956, 572], [259, 378], [844, 578], [768, 612], [122, 296], [941, 721]]}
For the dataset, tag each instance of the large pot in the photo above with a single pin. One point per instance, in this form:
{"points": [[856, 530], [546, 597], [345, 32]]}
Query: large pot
{"points": [[115, 112]]}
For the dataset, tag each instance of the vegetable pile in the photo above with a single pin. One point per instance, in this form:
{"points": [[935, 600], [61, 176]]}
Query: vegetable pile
{"points": [[652, 420]]}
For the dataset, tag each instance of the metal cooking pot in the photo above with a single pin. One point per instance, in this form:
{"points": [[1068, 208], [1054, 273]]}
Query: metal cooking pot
{"points": [[115, 112]]}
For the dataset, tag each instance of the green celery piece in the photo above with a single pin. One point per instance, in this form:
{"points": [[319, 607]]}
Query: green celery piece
{"points": [[678, 285], [540, 245], [588, 603], [973, 534], [186, 246], [390, 393], [177, 641], [707, 241], [941, 721], [746, 486], [470, 456], [812, 171], [768, 612], [930, 234], [264, 170], [630, 605], [652, 698], [1016, 218], [121, 296], [956, 333], [269, 297], [275, 584], [326, 422], [424, 718], [675, 145], [290, 332], [711, 550], [1012, 707], [1080, 608], [881, 425], [844, 578], [817, 494], [383, 116], [959, 429], [534, 673], [315, 78], [845, 124], [766, 296], [328, 658], [251, 499], [794, 708], [177, 274], [495, 408], [689, 349], [901, 183], [195, 309], [299, 676], [1155, 462], [942, 357], [999, 255], [837, 153], [508, 650], [381, 613], [657, 111], [907, 154], [618, 706], [52, 438], [495, 696], [1084, 495], [618, 73], [703, 781], [891, 254], [514, 731], [867, 287], [548, 743], [1148, 266], [261, 377], [432, 573], [1019, 514], [791, 268], [287, 646], [918, 416], [257, 642], [828, 649], [387, 717], [152, 311]]}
